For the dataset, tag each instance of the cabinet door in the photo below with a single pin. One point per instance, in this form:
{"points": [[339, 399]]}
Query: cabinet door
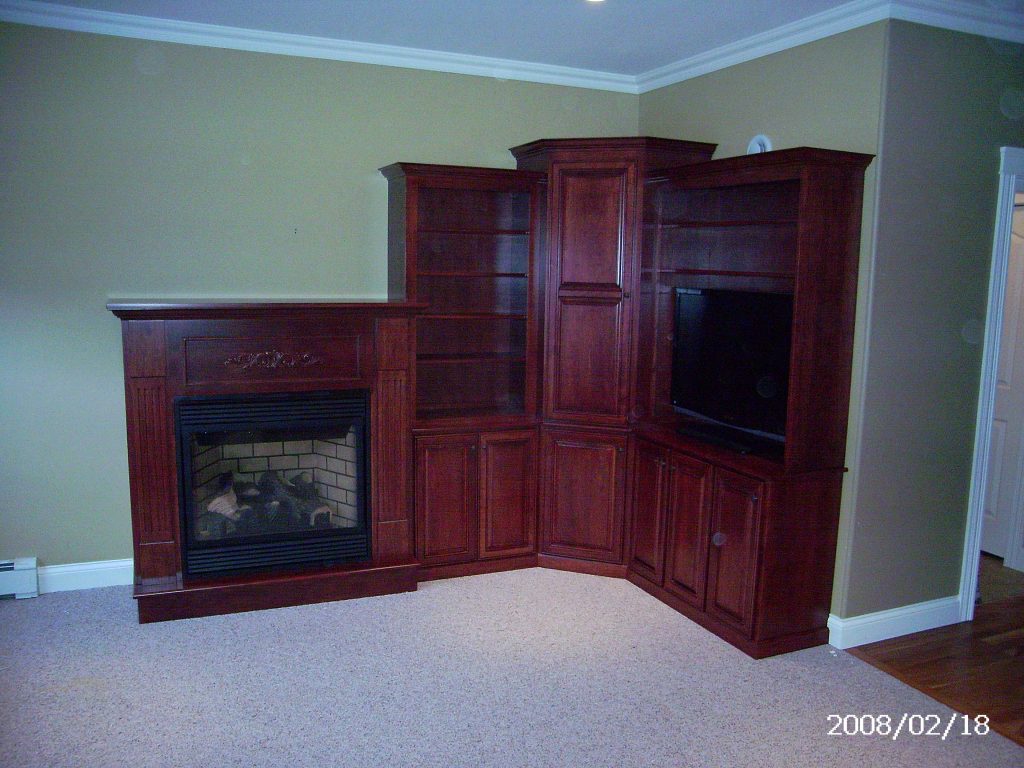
{"points": [[732, 559], [587, 343], [446, 499], [593, 210], [647, 503], [508, 493], [686, 557], [584, 482]]}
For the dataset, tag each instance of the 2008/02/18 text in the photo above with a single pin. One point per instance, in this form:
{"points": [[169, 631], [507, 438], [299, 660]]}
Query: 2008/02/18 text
{"points": [[888, 726]]}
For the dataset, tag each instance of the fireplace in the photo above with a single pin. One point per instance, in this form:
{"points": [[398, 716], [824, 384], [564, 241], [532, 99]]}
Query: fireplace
{"points": [[269, 453], [272, 481]]}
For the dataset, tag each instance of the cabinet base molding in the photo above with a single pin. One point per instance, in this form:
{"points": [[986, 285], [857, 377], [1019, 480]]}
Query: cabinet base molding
{"points": [[170, 599], [757, 649], [475, 568], [592, 567]]}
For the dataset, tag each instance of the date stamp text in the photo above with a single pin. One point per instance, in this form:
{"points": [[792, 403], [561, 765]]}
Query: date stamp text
{"points": [[895, 726]]}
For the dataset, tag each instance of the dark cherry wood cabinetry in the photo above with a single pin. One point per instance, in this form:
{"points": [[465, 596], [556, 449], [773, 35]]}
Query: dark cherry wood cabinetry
{"points": [[550, 299], [595, 198], [476, 496], [745, 544], [462, 240], [733, 541], [508, 493], [732, 556], [584, 482], [446, 499]]}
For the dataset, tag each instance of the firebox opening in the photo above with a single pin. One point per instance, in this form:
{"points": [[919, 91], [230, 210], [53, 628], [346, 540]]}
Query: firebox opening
{"points": [[273, 481]]}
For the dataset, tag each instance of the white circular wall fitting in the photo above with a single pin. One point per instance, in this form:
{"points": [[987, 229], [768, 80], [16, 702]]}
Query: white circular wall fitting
{"points": [[758, 144]]}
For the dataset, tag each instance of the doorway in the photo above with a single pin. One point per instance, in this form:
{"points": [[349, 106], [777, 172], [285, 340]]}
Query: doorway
{"points": [[995, 519]]}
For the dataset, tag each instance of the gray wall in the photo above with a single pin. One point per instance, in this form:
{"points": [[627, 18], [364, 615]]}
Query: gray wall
{"points": [[941, 132]]}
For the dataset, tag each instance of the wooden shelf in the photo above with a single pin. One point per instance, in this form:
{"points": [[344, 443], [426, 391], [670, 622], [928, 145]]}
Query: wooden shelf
{"points": [[446, 413], [727, 273], [725, 223], [468, 359], [468, 273], [484, 231], [473, 316]]}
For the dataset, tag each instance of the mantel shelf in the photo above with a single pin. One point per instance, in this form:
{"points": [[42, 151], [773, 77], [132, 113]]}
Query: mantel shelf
{"points": [[185, 309]]}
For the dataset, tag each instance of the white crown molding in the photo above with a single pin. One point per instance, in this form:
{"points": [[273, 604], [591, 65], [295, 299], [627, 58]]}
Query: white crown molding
{"points": [[947, 14], [43, 14], [820, 25]]}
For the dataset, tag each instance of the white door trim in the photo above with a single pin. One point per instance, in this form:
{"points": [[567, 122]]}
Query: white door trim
{"points": [[1011, 177]]}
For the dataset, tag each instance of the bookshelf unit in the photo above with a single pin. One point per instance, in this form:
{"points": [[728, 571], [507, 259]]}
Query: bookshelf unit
{"points": [[462, 241]]}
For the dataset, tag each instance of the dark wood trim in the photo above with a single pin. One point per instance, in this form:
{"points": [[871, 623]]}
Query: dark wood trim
{"points": [[171, 309], [475, 568], [212, 597], [578, 565]]}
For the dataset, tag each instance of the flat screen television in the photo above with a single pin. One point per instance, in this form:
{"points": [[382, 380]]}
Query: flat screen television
{"points": [[730, 366]]}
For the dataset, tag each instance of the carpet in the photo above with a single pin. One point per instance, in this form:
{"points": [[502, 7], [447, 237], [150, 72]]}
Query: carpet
{"points": [[525, 668]]}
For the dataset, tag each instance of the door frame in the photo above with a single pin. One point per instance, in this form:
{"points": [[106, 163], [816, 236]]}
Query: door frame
{"points": [[1011, 179]]}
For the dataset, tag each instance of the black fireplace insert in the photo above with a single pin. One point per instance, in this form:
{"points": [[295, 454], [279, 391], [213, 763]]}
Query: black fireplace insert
{"points": [[273, 482]]}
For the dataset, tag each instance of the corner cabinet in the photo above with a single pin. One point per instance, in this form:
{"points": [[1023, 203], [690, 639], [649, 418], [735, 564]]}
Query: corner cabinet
{"points": [[595, 199], [543, 429], [583, 497]]}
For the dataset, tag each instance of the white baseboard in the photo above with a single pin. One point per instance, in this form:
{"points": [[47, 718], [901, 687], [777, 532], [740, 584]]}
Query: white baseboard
{"points": [[99, 573], [872, 627]]}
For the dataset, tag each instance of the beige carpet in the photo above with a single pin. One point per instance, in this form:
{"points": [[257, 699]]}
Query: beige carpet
{"points": [[528, 668]]}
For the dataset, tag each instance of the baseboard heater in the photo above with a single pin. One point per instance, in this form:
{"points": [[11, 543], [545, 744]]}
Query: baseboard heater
{"points": [[19, 577]]}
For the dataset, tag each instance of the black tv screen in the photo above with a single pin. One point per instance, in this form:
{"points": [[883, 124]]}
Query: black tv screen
{"points": [[730, 361]]}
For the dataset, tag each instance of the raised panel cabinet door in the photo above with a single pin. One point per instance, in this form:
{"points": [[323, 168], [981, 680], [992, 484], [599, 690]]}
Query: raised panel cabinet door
{"points": [[508, 493], [586, 374], [584, 490], [446, 499], [647, 505], [732, 559], [688, 509], [593, 212]]}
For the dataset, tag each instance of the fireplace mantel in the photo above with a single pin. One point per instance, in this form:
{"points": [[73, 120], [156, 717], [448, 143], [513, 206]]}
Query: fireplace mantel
{"points": [[199, 348]]}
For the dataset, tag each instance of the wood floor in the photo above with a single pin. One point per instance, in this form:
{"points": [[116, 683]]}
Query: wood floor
{"points": [[975, 667]]}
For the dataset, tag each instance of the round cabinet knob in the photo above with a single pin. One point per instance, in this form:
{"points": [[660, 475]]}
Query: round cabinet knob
{"points": [[718, 539]]}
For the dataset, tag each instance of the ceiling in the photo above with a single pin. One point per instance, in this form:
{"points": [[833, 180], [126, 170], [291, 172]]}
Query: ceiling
{"points": [[622, 45]]}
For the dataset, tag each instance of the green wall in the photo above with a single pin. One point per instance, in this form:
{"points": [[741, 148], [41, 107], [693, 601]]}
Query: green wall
{"points": [[941, 132], [140, 169], [823, 94]]}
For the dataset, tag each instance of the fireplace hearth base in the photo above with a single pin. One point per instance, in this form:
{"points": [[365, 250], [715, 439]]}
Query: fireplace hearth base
{"points": [[192, 598]]}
